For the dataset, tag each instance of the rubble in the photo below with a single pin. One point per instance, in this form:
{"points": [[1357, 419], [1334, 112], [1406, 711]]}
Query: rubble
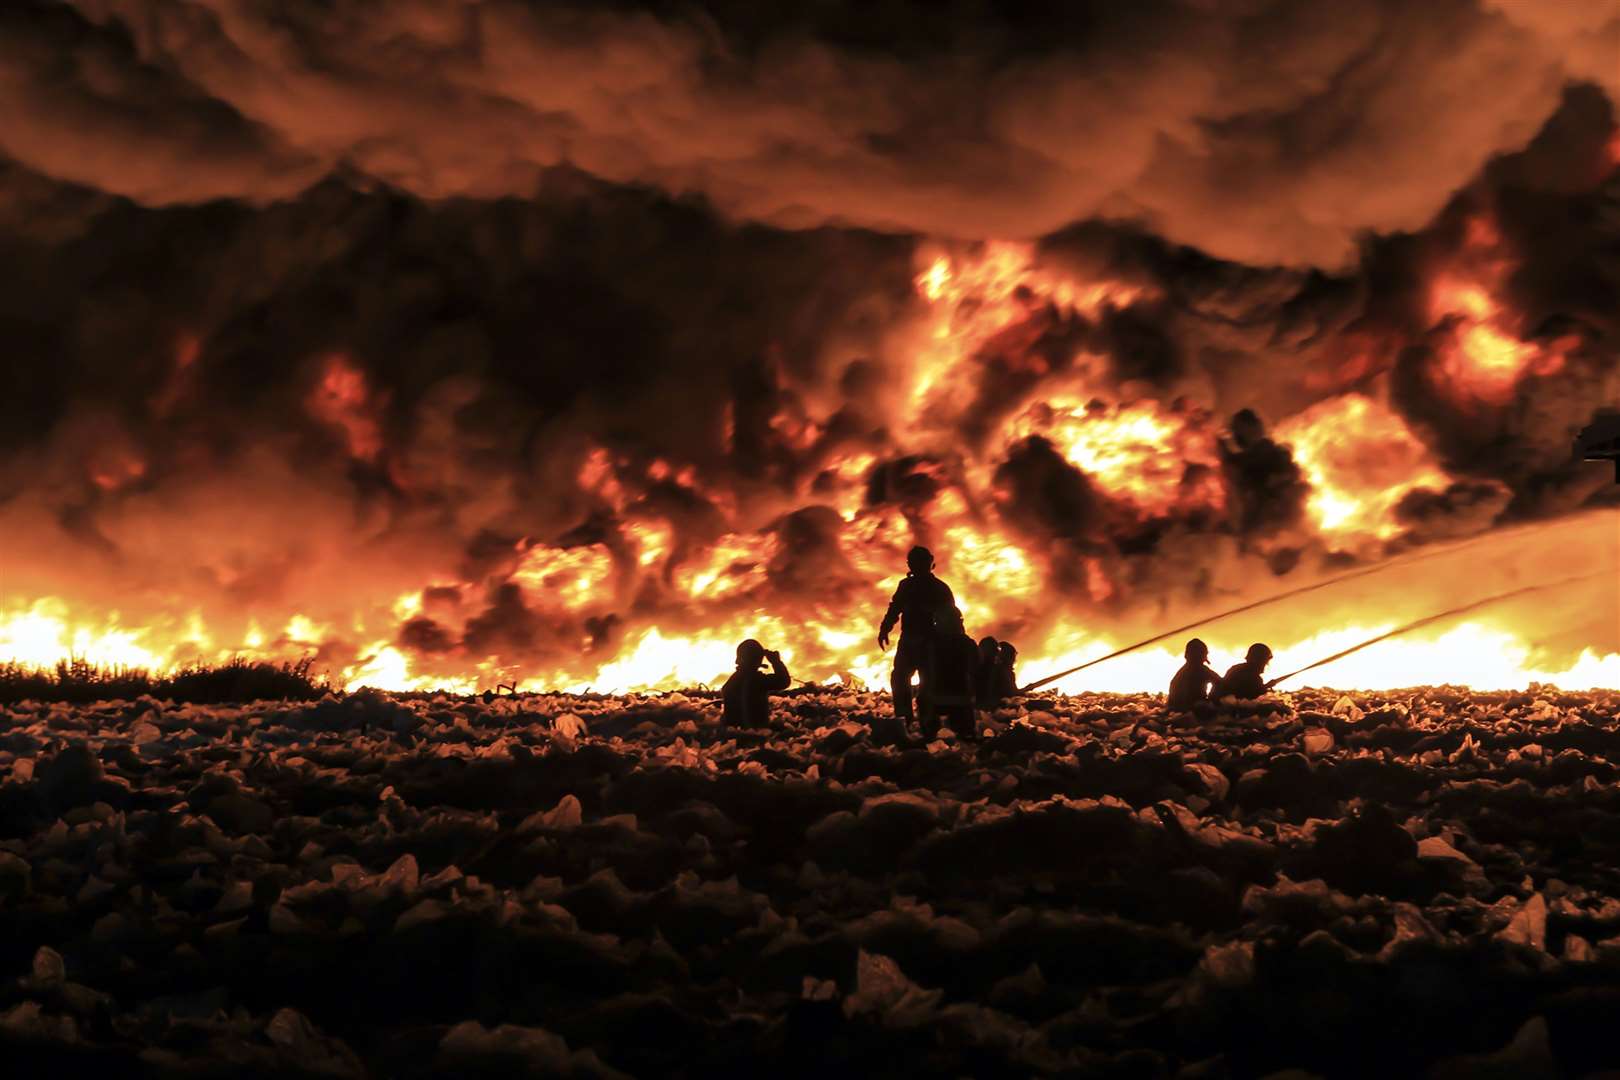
{"points": [[413, 885]]}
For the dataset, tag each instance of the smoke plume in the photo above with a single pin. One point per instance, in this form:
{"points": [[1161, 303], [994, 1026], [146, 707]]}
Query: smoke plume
{"points": [[501, 333]]}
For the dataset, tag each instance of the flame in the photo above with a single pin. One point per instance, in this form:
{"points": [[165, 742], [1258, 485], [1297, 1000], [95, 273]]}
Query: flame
{"points": [[1137, 453], [991, 575], [1488, 657], [843, 484], [734, 565], [1481, 359], [643, 601], [570, 578], [113, 467], [1476, 653], [43, 633], [1361, 460], [971, 299], [652, 541]]}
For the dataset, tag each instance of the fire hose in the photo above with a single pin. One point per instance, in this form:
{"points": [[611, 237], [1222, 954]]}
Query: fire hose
{"points": [[1425, 621], [1429, 619]]}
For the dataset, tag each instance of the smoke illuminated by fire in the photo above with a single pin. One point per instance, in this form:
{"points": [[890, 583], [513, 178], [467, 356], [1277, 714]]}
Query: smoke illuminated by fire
{"points": [[1361, 460], [670, 573], [1482, 360], [342, 400], [972, 300], [1156, 461], [570, 579]]}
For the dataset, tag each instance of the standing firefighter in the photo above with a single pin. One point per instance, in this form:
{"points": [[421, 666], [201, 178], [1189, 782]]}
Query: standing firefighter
{"points": [[920, 599]]}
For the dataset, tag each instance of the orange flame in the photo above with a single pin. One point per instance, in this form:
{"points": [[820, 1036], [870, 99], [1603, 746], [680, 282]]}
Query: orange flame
{"points": [[1481, 358], [646, 605], [1361, 460], [570, 579], [1138, 453]]}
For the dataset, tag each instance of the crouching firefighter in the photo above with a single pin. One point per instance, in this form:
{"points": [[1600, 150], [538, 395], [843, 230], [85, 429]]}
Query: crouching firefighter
{"points": [[949, 679], [746, 696]]}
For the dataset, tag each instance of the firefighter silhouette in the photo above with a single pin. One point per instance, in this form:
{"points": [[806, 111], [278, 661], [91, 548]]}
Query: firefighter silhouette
{"points": [[918, 602]]}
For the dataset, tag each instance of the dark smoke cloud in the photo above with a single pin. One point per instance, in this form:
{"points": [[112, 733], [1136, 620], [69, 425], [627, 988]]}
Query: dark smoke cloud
{"points": [[1463, 509], [1263, 131], [1557, 207], [174, 354], [1045, 494], [296, 288]]}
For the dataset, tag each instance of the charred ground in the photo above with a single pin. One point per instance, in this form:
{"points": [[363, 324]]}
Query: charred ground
{"points": [[409, 885]]}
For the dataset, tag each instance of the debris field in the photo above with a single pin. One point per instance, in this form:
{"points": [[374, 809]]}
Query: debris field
{"points": [[1423, 882]]}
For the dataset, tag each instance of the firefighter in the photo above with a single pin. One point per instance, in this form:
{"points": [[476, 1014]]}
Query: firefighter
{"points": [[918, 601], [986, 680], [1243, 680], [1006, 671], [1190, 686], [948, 691], [746, 696]]}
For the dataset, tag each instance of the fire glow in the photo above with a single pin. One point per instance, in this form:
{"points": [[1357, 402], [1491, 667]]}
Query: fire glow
{"points": [[648, 602], [1361, 460], [1481, 357]]}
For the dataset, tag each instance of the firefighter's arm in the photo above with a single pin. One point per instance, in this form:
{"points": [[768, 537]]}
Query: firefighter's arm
{"points": [[890, 617], [780, 679]]}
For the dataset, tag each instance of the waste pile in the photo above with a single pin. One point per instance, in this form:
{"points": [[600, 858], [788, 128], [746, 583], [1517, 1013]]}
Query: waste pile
{"points": [[1412, 883]]}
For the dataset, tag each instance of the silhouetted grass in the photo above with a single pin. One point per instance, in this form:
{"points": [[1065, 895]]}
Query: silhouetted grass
{"points": [[235, 680]]}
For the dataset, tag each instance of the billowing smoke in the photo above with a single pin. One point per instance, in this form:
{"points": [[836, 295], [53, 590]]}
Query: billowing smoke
{"points": [[565, 323], [1265, 131]]}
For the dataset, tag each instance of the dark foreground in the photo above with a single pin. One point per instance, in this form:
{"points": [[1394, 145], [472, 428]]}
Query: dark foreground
{"points": [[433, 886]]}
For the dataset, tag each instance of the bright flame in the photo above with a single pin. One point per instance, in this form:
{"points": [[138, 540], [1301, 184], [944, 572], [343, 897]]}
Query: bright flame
{"points": [[1137, 453], [657, 662], [43, 633], [652, 541], [1481, 361], [973, 299], [389, 669], [990, 575], [1476, 654], [1361, 461], [618, 613], [571, 578], [734, 565]]}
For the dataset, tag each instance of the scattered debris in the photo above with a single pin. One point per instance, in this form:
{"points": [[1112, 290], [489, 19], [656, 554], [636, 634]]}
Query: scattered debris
{"points": [[408, 885]]}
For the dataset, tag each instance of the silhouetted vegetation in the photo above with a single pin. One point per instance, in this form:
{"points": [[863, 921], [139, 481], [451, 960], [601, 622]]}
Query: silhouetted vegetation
{"points": [[237, 679]]}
